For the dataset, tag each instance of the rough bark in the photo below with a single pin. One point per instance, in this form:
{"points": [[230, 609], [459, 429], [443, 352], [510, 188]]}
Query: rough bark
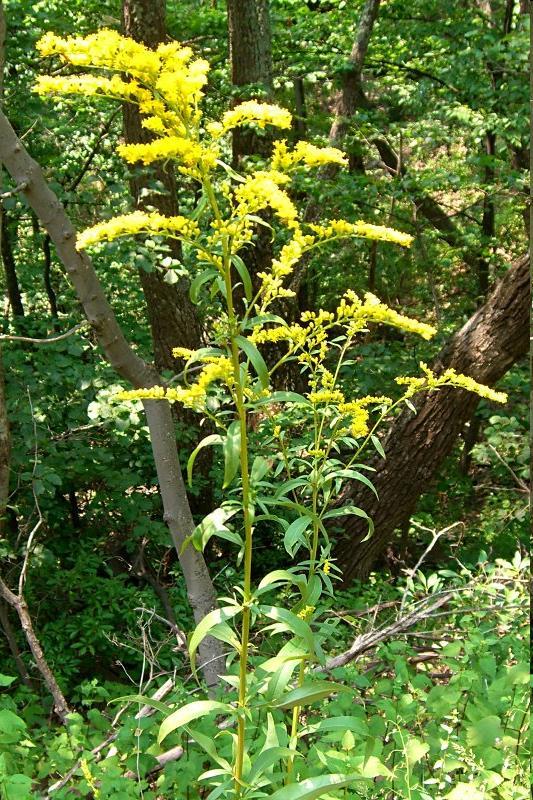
{"points": [[173, 318], [79, 269], [492, 340], [250, 50]]}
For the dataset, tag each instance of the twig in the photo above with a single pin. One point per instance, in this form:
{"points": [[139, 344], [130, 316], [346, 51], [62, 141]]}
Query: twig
{"points": [[51, 340], [31, 537], [16, 190], [521, 484]]}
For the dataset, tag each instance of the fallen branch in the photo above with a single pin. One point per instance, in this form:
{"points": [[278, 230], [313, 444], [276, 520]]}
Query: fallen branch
{"points": [[368, 640]]}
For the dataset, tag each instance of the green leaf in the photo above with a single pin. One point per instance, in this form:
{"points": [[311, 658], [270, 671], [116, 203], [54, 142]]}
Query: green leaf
{"points": [[260, 467], [16, 787], [187, 713], [214, 525], [415, 750], [379, 447], [6, 680], [465, 791], [242, 269], [345, 511], [207, 624], [256, 359], [285, 397], [354, 724], [279, 577], [266, 759], [310, 692], [208, 441], [207, 275], [294, 535], [314, 787], [145, 700], [484, 732], [290, 622], [354, 475], [232, 452]]}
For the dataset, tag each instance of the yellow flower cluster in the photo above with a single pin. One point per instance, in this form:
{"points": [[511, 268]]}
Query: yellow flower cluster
{"points": [[194, 396], [306, 613], [91, 85], [448, 378], [176, 147], [134, 223], [325, 396], [358, 313], [327, 567], [305, 153], [364, 230], [262, 190], [272, 282], [252, 113]]}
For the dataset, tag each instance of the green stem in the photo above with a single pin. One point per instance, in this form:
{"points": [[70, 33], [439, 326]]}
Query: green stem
{"points": [[293, 742], [234, 329]]}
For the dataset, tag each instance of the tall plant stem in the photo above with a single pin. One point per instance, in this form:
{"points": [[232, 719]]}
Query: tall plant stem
{"points": [[234, 329]]}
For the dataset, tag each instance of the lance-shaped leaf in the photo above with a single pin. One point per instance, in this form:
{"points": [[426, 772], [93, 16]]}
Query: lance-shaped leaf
{"points": [[256, 359], [310, 692], [207, 625], [315, 787], [191, 711], [208, 441], [232, 452], [290, 622]]}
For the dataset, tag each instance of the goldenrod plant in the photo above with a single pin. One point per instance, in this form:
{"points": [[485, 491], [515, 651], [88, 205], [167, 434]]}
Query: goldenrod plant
{"points": [[289, 488]]}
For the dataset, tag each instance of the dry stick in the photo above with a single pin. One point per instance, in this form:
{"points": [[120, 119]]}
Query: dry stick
{"points": [[128, 365], [371, 639], [19, 604], [5, 337]]}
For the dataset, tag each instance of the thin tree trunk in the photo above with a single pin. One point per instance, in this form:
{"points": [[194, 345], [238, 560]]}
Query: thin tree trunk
{"points": [[492, 340], [79, 268], [13, 646], [10, 267], [172, 316], [19, 604]]}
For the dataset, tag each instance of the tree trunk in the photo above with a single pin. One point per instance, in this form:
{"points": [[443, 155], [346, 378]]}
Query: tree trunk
{"points": [[172, 316], [24, 170], [250, 51], [10, 268], [492, 340]]}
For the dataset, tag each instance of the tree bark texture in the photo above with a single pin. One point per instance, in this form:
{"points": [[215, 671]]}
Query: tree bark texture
{"points": [[492, 340], [173, 317], [24, 170], [250, 50]]}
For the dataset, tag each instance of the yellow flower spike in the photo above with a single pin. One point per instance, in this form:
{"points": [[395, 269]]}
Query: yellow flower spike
{"points": [[182, 352], [449, 378], [91, 86], [326, 396], [253, 113], [306, 154], [356, 313], [134, 223], [176, 147], [364, 230]]}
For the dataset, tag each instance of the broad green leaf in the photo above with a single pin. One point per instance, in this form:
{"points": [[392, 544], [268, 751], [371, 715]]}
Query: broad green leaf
{"points": [[208, 441], [315, 787], [466, 791], [207, 624], [310, 692], [484, 732], [415, 750], [187, 713], [260, 467], [16, 787], [256, 359], [232, 452], [6, 680]]}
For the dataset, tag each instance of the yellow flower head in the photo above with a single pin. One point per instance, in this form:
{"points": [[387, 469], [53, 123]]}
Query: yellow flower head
{"points": [[448, 378], [306, 154], [364, 230]]}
